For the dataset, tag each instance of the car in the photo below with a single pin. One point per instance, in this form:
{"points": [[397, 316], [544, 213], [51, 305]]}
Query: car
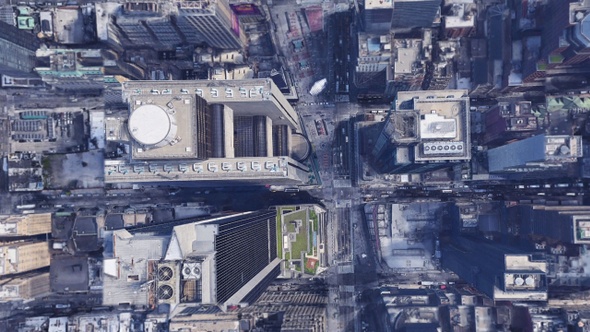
{"points": [[198, 167], [255, 166], [167, 168], [226, 166], [183, 168], [241, 166], [212, 167], [269, 165]]}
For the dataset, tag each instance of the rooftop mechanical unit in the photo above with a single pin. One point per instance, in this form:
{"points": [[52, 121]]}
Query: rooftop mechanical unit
{"points": [[166, 283], [191, 271]]}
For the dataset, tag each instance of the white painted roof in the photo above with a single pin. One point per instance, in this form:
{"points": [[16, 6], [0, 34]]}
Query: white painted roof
{"points": [[149, 124]]}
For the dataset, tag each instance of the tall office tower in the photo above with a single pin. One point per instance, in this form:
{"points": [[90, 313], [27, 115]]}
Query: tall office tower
{"points": [[508, 121], [408, 14], [224, 261], [17, 48], [563, 224], [501, 272], [213, 21], [538, 156], [374, 71], [25, 225], [238, 130], [18, 257], [427, 130], [564, 44], [377, 16]]}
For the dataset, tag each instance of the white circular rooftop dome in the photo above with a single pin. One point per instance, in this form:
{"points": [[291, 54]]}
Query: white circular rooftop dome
{"points": [[151, 125]]}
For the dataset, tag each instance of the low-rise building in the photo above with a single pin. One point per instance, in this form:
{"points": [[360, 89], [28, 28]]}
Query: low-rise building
{"points": [[25, 225], [458, 18], [19, 257], [24, 287]]}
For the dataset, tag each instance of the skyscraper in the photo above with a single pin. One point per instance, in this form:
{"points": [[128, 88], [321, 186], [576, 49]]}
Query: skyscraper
{"points": [[426, 130], [564, 42], [381, 16], [501, 272], [226, 261], [214, 21], [409, 14], [239, 130], [563, 224], [377, 16], [17, 48], [541, 155]]}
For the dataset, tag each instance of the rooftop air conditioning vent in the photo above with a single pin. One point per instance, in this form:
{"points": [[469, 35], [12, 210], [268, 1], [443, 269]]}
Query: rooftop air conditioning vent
{"points": [[165, 292], [165, 273], [191, 271]]}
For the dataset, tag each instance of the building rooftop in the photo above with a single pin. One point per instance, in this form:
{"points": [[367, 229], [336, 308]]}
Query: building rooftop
{"points": [[23, 175], [436, 121], [243, 96], [371, 45], [250, 169], [162, 127], [85, 233], [508, 274], [18, 257], [24, 225], [174, 263], [548, 149], [460, 16], [69, 25], [408, 52], [134, 254]]}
